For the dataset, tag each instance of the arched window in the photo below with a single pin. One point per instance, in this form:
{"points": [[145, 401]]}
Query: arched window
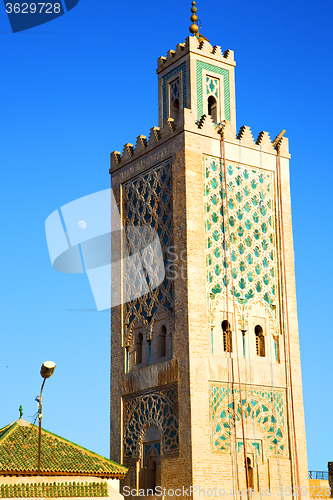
{"points": [[260, 341], [227, 336], [139, 341], [174, 99], [175, 110], [212, 108], [162, 342], [250, 473], [150, 463]]}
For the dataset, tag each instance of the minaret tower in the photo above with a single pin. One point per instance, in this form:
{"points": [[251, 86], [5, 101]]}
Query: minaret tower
{"points": [[205, 368]]}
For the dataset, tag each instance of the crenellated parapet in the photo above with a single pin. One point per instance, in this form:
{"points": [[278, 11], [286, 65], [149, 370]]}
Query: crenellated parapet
{"points": [[263, 141], [205, 126], [245, 135], [173, 55], [192, 44], [143, 145]]}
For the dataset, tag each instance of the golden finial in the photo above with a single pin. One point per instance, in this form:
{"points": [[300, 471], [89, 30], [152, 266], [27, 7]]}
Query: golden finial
{"points": [[194, 28]]}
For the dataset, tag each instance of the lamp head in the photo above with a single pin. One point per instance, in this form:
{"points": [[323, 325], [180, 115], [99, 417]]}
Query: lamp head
{"points": [[47, 369]]}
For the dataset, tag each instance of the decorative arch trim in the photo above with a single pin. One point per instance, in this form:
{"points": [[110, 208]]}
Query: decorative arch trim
{"points": [[157, 408], [200, 87], [263, 405]]}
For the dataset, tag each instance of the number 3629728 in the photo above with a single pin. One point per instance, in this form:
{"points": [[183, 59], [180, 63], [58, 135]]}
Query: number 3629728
{"points": [[33, 8]]}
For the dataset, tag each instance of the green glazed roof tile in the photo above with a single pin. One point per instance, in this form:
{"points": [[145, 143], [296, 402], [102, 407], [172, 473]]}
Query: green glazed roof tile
{"points": [[19, 453]]}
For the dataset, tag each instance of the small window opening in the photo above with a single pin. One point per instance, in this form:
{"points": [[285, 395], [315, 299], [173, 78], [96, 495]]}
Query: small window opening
{"points": [[260, 341], [127, 359], [212, 108], [139, 341], [152, 476], [175, 110], [149, 352], [244, 346], [162, 342], [174, 99], [277, 349], [227, 336], [250, 473]]}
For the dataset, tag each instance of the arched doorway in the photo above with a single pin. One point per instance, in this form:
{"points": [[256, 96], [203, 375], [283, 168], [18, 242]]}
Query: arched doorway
{"points": [[150, 464]]}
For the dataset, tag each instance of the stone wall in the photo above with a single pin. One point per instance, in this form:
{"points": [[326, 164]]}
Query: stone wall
{"points": [[261, 387]]}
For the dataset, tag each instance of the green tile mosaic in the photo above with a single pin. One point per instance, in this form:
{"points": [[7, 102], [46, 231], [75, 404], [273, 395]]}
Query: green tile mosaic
{"points": [[201, 90], [250, 232], [262, 410]]}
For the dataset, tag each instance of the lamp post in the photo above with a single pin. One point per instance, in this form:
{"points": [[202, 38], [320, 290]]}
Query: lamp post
{"points": [[46, 371]]}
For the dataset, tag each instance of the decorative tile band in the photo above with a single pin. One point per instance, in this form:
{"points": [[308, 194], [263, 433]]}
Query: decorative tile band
{"points": [[54, 490], [220, 71], [158, 408], [181, 68], [264, 413]]}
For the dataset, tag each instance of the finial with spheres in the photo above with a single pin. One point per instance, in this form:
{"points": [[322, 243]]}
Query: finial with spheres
{"points": [[194, 29]]}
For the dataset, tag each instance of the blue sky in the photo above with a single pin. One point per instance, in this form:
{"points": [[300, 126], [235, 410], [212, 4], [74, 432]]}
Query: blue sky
{"points": [[81, 86]]}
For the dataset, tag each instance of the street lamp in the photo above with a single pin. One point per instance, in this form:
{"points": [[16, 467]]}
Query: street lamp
{"points": [[46, 371]]}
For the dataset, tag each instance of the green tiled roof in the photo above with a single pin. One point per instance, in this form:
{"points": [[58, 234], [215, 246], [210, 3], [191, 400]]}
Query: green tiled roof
{"points": [[19, 455], [2, 431]]}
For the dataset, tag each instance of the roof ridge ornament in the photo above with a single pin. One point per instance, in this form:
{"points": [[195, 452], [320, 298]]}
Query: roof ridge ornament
{"points": [[194, 28]]}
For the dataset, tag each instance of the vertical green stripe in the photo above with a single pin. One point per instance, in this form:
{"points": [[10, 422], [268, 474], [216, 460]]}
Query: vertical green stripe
{"points": [[226, 91]]}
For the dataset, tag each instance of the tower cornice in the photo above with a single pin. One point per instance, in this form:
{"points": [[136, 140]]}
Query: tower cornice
{"points": [[194, 46]]}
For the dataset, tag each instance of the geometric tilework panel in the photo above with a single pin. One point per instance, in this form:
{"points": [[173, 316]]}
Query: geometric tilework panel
{"points": [[212, 87], [263, 405], [181, 68], [249, 266], [157, 408], [148, 203], [174, 90], [200, 87]]}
